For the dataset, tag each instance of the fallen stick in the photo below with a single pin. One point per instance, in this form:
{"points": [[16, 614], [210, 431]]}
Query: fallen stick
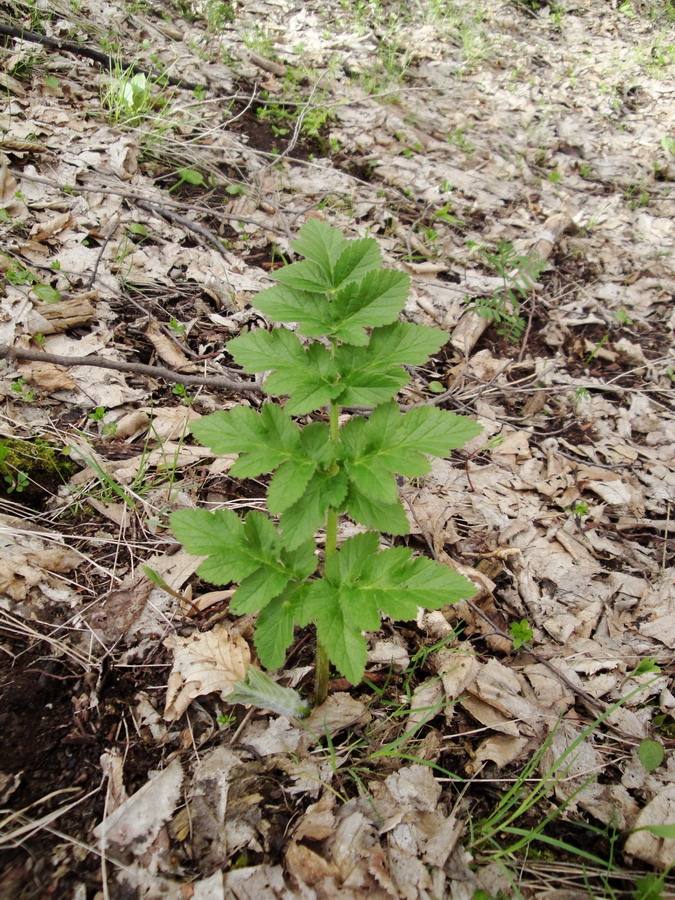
{"points": [[215, 381]]}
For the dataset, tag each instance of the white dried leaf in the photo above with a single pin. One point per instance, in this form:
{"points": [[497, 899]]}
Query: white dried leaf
{"points": [[136, 823], [204, 663]]}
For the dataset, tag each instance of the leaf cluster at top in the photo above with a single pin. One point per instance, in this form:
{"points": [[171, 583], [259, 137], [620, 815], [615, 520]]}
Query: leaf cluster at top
{"points": [[340, 292]]}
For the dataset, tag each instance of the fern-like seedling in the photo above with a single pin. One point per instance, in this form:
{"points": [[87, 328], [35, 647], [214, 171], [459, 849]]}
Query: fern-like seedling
{"points": [[349, 350]]}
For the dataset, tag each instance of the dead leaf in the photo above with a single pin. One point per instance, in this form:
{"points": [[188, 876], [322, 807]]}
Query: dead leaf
{"points": [[204, 663], [136, 822]]}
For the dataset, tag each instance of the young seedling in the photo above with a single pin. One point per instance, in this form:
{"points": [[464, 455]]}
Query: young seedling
{"points": [[347, 304]]}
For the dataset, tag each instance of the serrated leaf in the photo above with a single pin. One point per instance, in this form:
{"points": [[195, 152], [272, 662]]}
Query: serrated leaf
{"points": [[357, 258], [375, 301], [288, 484], [283, 304], [344, 643], [390, 442], [274, 627], [372, 375], [387, 517], [304, 276], [359, 584], [250, 552], [264, 439], [257, 589], [304, 518], [651, 754], [307, 376], [321, 243], [259, 351]]}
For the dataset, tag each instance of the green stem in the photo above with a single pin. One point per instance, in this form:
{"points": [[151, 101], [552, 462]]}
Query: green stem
{"points": [[322, 664]]}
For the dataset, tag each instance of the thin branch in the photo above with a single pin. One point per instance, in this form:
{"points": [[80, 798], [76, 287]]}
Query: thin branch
{"points": [[215, 381], [111, 62]]}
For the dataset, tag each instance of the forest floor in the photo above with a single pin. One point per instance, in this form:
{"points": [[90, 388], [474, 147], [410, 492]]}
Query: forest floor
{"points": [[519, 164]]}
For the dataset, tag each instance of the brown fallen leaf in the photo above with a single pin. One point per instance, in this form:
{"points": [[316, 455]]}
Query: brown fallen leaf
{"points": [[204, 663]]}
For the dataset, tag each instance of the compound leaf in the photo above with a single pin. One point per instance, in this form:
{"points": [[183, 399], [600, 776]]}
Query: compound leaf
{"points": [[387, 517], [307, 376], [233, 552], [359, 583], [264, 439], [390, 442]]}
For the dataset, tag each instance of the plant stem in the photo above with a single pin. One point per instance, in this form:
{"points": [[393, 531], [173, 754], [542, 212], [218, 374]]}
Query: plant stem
{"points": [[322, 664]]}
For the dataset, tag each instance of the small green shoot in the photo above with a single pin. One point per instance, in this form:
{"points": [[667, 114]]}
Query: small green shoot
{"points": [[348, 305], [518, 273], [27, 394], [521, 633], [188, 176], [179, 390], [651, 754], [177, 328], [644, 667], [594, 352], [622, 317]]}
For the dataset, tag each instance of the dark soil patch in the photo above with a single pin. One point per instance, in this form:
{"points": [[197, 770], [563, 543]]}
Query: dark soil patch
{"points": [[53, 737]]}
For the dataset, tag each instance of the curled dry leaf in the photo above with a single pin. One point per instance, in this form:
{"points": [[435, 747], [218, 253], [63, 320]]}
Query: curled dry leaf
{"points": [[204, 663]]}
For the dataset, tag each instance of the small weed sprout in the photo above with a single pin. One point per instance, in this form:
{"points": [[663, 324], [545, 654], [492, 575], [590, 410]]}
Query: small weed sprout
{"points": [[348, 306], [25, 393], [521, 632], [518, 274]]}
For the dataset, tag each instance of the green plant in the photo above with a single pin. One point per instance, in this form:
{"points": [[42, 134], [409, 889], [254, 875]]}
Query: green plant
{"points": [[107, 428], [27, 394], [622, 317], [188, 176], [348, 305], [177, 328], [521, 632], [518, 273]]}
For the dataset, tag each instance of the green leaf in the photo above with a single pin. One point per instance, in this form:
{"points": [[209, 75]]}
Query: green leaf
{"points": [[356, 259], [321, 243], [274, 628], [258, 689], [284, 304], [264, 439], [304, 518], [372, 375], [256, 591], [359, 583], [662, 831], [250, 552], [388, 442], [305, 276], [289, 484], [387, 517], [651, 754], [47, 293], [308, 376], [192, 176], [345, 645], [374, 301]]}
